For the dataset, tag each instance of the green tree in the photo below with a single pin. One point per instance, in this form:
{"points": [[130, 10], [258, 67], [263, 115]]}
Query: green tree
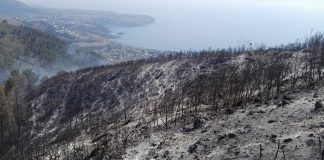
{"points": [[31, 79], [2, 116]]}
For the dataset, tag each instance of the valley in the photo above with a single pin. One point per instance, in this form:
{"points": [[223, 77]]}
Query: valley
{"points": [[90, 31], [86, 34]]}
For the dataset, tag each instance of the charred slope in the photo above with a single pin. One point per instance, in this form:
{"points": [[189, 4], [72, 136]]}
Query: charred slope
{"points": [[107, 91], [107, 97], [102, 112]]}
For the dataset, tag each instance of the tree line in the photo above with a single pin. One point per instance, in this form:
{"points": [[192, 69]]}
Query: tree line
{"points": [[13, 107]]}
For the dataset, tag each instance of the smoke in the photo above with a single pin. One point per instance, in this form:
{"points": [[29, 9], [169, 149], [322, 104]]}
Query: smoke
{"points": [[72, 60], [3, 75]]}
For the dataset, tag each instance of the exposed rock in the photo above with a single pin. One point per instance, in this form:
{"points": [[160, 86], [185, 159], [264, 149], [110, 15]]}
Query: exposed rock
{"points": [[187, 130], [166, 154], [99, 137], [161, 145], [288, 97], [193, 148], [287, 140], [285, 102], [273, 138], [153, 144], [257, 100], [250, 113], [318, 105], [310, 142], [229, 111], [234, 150], [204, 131], [261, 111], [231, 135], [197, 124], [151, 153]]}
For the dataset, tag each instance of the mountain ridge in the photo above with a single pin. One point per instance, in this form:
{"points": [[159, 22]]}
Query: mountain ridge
{"points": [[15, 8]]}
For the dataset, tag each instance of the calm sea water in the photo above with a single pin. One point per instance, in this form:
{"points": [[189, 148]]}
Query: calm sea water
{"points": [[216, 27]]}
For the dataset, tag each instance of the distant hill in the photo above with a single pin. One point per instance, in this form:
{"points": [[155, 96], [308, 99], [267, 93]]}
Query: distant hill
{"points": [[15, 8], [22, 48], [27, 48]]}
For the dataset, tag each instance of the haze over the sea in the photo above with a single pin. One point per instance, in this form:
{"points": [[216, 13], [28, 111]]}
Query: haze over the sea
{"points": [[200, 24]]}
